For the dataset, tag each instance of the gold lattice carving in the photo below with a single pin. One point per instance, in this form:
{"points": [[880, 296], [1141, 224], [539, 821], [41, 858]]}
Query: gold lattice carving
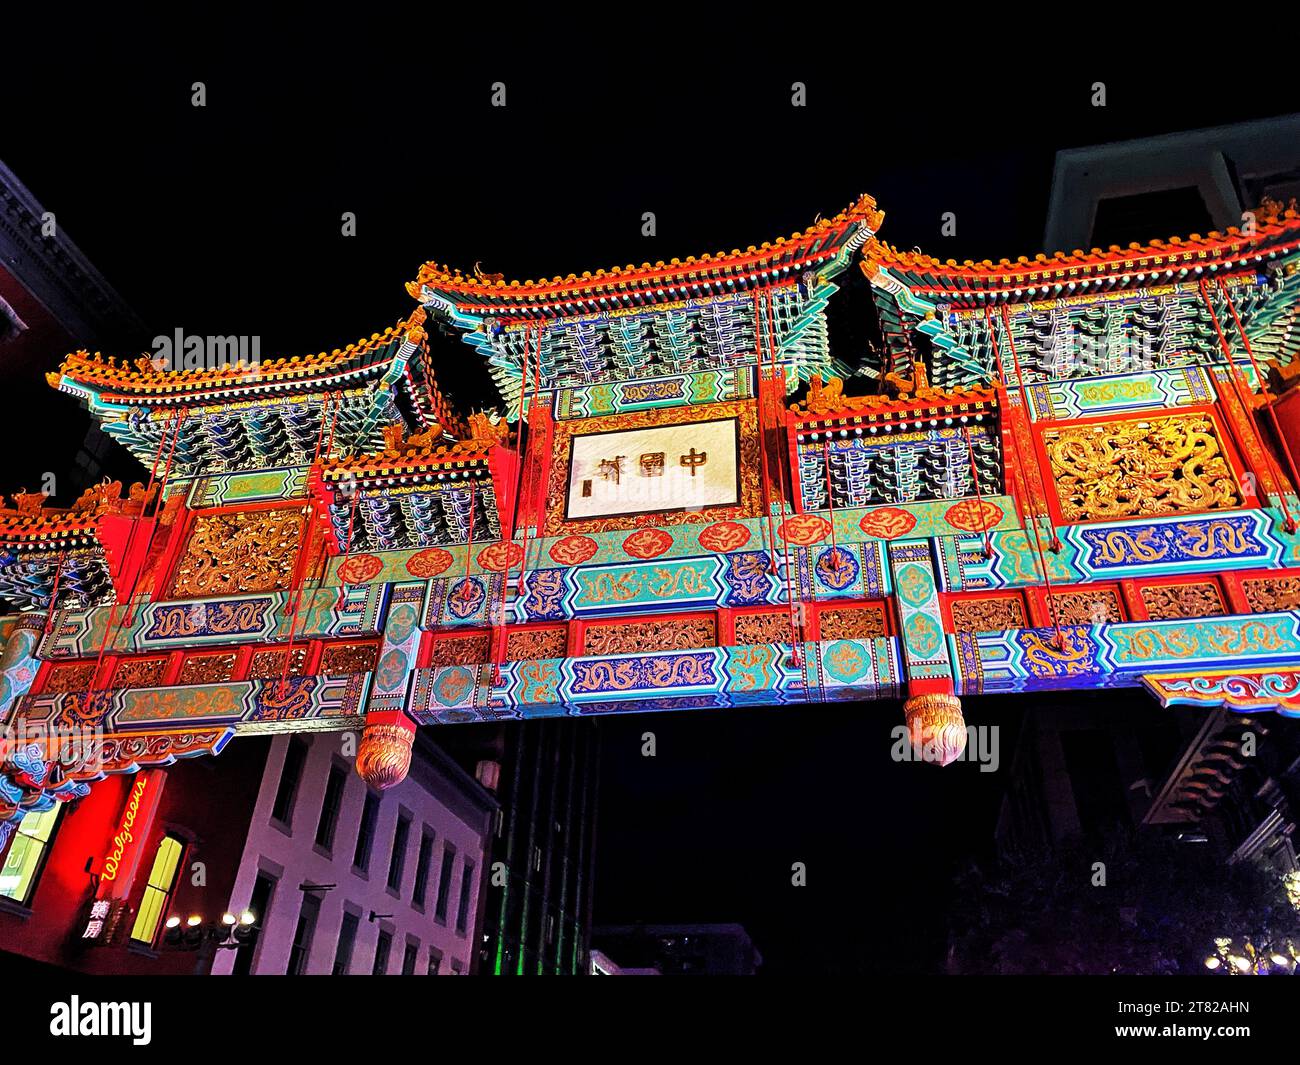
{"points": [[1087, 608], [207, 669], [269, 664], [1166, 602], [252, 551], [342, 659], [638, 637], [769, 627], [461, 650], [853, 623], [140, 673], [989, 614], [1140, 468], [1265, 594], [536, 643], [71, 677]]}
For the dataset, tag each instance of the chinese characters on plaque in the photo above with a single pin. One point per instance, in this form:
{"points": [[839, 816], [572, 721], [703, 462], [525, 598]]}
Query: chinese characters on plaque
{"points": [[641, 471]]}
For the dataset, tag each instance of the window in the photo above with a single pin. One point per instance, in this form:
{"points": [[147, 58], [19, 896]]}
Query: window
{"points": [[263, 888], [27, 854], [347, 940], [157, 896], [466, 883], [366, 833], [444, 882], [382, 949], [408, 957], [329, 813], [397, 863], [422, 868], [294, 758], [302, 935], [435, 961]]}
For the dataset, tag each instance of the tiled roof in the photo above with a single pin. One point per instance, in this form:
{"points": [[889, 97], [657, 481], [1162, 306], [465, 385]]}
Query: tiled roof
{"points": [[1277, 229], [491, 288], [142, 377]]}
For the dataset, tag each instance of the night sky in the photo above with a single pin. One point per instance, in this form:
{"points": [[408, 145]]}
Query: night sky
{"points": [[226, 220]]}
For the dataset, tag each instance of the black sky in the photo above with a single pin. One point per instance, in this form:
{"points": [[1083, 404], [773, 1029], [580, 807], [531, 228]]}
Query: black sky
{"points": [[226, 220]]}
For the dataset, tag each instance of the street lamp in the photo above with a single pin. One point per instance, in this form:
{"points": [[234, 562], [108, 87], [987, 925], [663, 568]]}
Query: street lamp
{"points": [[229, 933], [1266, 959]]}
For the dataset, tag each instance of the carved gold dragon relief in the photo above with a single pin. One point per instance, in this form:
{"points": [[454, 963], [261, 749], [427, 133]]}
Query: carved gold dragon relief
{"points": [[251, 552], [1140, 468]]}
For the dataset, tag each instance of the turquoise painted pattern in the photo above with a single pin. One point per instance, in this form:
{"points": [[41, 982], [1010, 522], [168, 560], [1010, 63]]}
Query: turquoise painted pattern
{"points": [[916, 593], [1077, 397], [1204, 543], [758, 674], [214, 622]]}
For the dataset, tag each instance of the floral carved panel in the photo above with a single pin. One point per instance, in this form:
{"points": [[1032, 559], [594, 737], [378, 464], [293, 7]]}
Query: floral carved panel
{"points": [[635, 637], [988, 614], [1169, 601]]}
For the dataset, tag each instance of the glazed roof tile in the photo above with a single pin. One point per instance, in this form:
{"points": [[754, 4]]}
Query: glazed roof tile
{"points": [[489, 288], [1276, 227], [142, 377]]}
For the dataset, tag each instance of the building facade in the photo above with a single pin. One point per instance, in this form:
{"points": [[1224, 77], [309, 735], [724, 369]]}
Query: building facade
{"points": [[335, 877], [353, 880], [89, 884], [537, 905], [53, 298]]}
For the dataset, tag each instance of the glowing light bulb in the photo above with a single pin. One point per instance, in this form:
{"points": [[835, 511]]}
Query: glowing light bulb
{"points": [[227, 919], [173, 922], [247, 917], [194, 921]]}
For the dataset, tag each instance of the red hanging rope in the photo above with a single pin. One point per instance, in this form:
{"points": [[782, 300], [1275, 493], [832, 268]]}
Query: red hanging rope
{"points": [[786, 484], [1245, 340], [1240, 390], [129, 615], [335, 401], [1042, 562], [347, 550], [130, 599], [519, 525], [766, 468], [830, 503], [301, 578], [1024, 401], [54, 592], [296, 582], [979, 502], [169, 426], [1022, 482]]}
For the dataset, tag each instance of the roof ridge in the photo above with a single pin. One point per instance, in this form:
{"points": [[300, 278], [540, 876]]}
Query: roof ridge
{"points": [[143, 371], [1271, 215], [862, 209]]}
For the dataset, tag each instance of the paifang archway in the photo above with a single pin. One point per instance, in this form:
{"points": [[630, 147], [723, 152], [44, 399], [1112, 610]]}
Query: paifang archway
{"points": [[1064, 472]]}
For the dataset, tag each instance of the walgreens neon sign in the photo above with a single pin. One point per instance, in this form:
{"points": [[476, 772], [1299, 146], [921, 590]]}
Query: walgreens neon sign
{"points": [[125, 834]]}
